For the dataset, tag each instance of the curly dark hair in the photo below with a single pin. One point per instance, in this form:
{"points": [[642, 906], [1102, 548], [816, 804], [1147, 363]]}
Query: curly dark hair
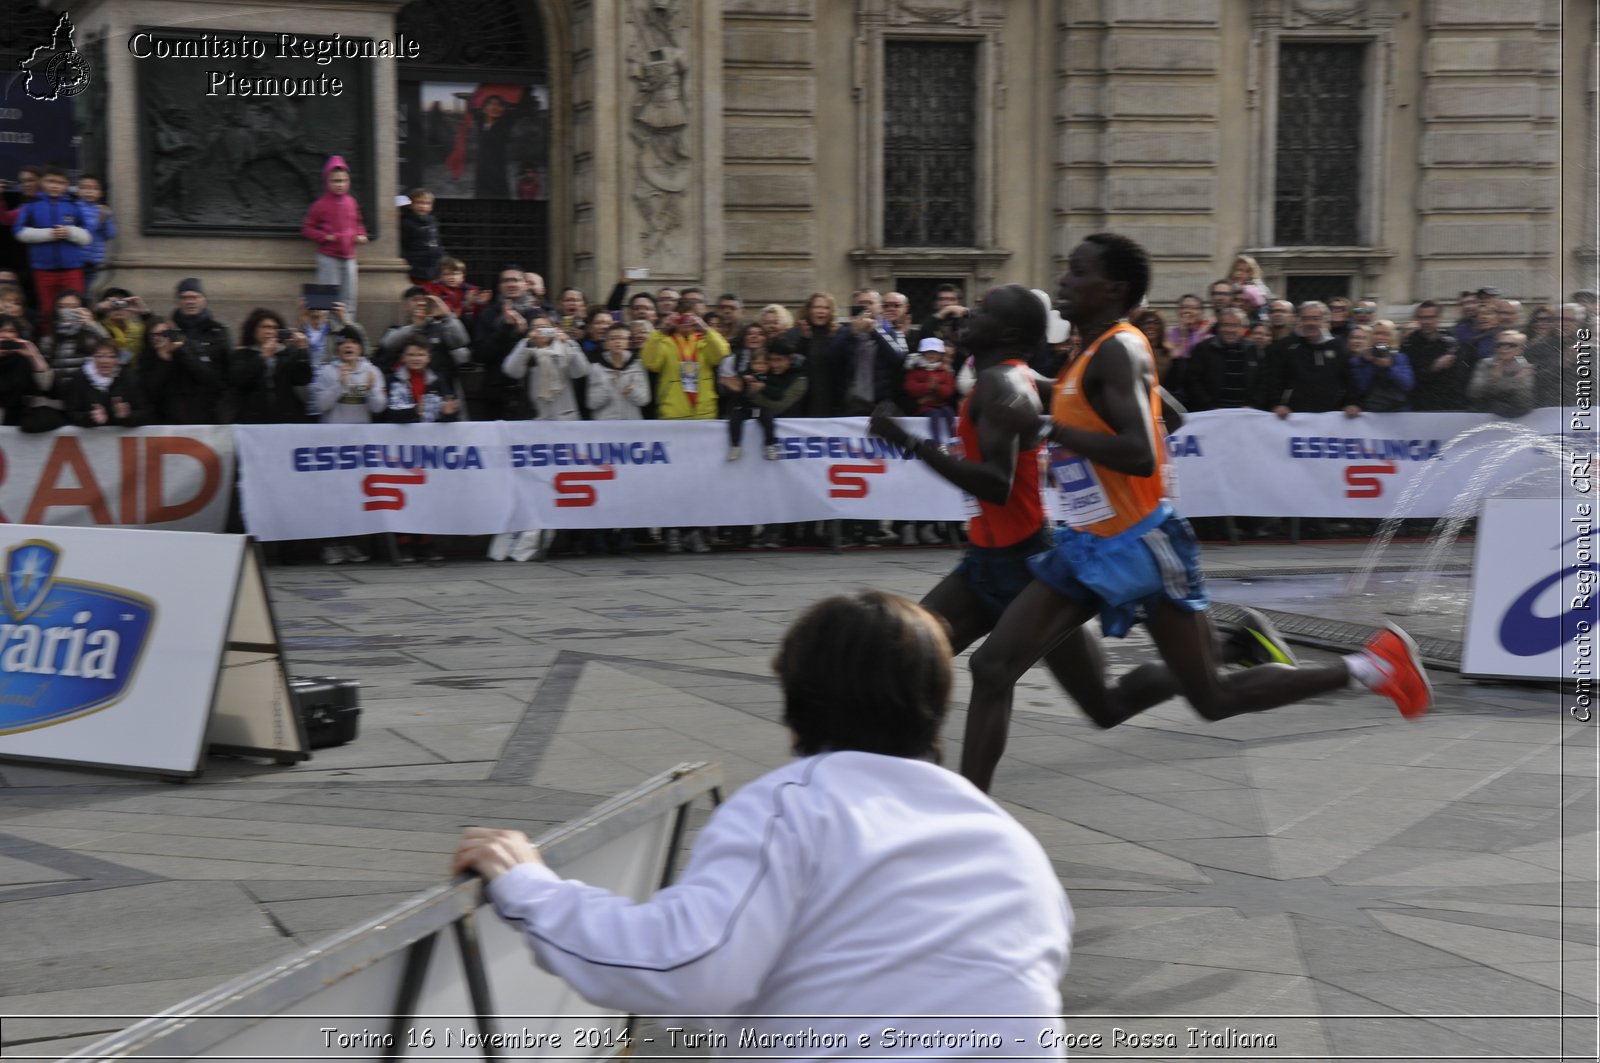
{"points": [[247, 331], [868, 672], [1124, 259]]}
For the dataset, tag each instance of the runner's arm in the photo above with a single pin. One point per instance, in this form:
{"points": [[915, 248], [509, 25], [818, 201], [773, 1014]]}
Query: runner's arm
{"points": [[989, 477], [1122, 399]]}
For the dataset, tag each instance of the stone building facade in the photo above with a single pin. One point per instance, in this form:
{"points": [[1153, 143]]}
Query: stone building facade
{"points": [[1398, 149]]}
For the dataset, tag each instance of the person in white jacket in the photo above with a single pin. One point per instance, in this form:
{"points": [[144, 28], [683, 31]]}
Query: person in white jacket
{"points": [[349, 390], [619, 388], [834, 899], [550, 362]]}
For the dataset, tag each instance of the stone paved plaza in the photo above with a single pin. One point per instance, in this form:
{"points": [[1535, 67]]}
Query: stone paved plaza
{"points": [[1352, 885]]}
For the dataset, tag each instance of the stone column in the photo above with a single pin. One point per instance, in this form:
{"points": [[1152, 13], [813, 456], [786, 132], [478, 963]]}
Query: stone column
{"points": [[1140, 119], [656, 119], [1490, 148], [240, 271]]}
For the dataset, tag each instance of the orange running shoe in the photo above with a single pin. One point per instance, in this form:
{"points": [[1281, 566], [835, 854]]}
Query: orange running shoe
{"points": [[1402, 677]]}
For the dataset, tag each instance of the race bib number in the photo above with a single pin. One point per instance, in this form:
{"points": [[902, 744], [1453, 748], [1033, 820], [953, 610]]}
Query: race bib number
{"points": [[1080, 498]]}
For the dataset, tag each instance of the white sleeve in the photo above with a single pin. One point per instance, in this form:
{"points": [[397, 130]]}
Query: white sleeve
{"points": [[377, 394], [34, 236], [701, 947], [599, 394], [79, 235], [515, 364], [640, 395], [325, 389], [577, 362]]}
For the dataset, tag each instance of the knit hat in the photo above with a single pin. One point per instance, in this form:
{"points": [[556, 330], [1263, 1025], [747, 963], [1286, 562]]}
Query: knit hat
{"points": [[190, 284]]}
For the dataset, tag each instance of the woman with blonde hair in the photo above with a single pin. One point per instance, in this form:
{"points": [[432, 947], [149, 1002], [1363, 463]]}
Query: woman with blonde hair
{"points": [[775, 319], [1250, 291]]}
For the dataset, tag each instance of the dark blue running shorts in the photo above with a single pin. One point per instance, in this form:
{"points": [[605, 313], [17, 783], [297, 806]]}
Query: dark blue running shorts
{"points": [[997, 574]]}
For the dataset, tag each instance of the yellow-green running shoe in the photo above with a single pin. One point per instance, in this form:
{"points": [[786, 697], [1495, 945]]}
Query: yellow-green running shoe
{"points": [[1258, 641]]}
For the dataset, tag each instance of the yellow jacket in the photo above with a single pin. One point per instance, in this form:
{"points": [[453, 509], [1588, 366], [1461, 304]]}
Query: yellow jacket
{"points": [[660, 356]]}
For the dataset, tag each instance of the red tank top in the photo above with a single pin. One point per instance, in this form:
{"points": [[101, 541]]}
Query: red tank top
{"points": [[1023, 513]]}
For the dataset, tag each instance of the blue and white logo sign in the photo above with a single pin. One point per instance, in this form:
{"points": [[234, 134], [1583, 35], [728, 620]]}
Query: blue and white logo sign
{"points": [[67, 648]]}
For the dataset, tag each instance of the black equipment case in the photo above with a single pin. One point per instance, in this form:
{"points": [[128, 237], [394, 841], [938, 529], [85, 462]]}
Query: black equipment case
{"points": [[329, 707]]}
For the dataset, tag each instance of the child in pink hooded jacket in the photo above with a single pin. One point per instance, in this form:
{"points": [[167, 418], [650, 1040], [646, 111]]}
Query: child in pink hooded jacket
{"points": [[334, 224]]}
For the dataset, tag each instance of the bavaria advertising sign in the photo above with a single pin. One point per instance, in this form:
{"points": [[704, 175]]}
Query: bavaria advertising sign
{"points": [[112, 643], [1533, 611], [67, 648]]}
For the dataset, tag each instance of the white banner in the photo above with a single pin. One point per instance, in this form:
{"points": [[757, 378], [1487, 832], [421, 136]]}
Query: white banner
{"points": [[311, 481], [307, 481], [175, 478], [1248, 463], [630, 474]]}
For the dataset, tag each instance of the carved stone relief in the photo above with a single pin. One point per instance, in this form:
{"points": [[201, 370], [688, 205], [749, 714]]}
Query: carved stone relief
{"points": [[658, 68]]}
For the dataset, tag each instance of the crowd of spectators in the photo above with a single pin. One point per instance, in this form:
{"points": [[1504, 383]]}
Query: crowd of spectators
{"points": [[453, 352]]}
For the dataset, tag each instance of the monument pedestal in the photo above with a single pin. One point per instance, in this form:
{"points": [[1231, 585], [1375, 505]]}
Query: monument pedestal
{"points": [[212, 156]]}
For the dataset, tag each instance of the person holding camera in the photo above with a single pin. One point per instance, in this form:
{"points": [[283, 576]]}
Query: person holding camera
{"points": [[75, 331], [810, 340], [868, 368], [183, 387], [322, 328], [267, 380], [124, 317], [549, 360], [106, 393], [685, 353], [427, 317], [25, 377], [1381, 379]]}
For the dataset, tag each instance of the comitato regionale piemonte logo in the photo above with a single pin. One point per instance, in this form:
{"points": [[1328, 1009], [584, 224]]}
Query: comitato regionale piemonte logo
{"points": [[56, 70]]}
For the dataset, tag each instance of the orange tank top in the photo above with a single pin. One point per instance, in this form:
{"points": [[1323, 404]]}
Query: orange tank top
{"points": [[1022, 515], [1091, 497]]}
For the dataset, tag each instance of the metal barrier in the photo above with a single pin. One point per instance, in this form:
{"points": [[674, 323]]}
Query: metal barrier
{"points": [[429, 979]]}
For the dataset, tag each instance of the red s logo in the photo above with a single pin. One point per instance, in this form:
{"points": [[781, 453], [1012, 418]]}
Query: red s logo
{"points": [[384, 497], [1363, 482], [850, 481], [573, 489]]}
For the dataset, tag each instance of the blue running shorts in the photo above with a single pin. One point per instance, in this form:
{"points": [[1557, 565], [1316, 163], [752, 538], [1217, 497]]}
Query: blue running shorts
{"points": [[997, 574], [1129, 574]]}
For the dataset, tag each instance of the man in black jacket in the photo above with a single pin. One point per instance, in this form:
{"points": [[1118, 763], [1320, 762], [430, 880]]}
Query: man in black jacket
{"points": [[183, 387], [204, 336], [1436, 361], [501, 325], [810, 340], [866, 367], [1225, 372], [1312, 377]]}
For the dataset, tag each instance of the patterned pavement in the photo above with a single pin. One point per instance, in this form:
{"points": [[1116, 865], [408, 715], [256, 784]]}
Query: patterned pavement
{"points": [[1325, 881]]}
